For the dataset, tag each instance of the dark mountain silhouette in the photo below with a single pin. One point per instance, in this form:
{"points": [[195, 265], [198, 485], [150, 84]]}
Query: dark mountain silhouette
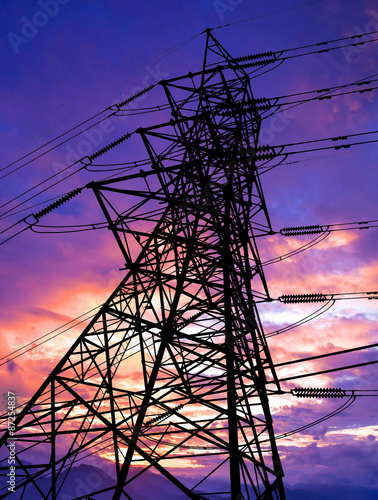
{"points": [[85, 479]]}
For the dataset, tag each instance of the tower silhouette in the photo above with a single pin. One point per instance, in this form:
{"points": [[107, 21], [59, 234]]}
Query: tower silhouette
{"points": [[173, 367]]}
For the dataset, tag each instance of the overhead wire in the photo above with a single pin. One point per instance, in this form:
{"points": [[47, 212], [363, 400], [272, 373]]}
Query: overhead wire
{"points": [[323, 372], [106, 109], [363, 81], [304, 247], [325, 230], [321, 356], [40, 184], [165, 53], [265, 170], [33, 206], [266, 15], [57, 145], [170, 50], [338, 410], [33, 343], [299, 360], [261, 167], [316, 44], [323, 309], [50, 229]]}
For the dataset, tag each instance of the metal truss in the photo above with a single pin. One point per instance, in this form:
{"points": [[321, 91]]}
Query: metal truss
{"points": [[174, 366]]}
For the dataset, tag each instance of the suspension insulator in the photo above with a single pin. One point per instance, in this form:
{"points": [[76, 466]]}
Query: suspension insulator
{"points": [[266, 156], [256, 63], [246, 108], [162, 416], [300, 230], [57, 203], [303, 298], [255, 56], [135, 96], [301, 392], [109, 146]]}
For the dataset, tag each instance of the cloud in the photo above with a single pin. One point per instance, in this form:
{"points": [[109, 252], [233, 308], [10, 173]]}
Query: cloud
{"points": [[332, 464]]}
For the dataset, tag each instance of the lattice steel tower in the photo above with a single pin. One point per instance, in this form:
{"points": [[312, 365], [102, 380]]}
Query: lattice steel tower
{"points": [[174, 365]]}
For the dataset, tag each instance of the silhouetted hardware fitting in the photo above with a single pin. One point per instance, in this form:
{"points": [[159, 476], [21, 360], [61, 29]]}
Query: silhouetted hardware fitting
{"points": [[301, 392], [252, 64], [109, 146], [261, 55], [57, 203], [300, 230], [135, 96], [303, 298]]}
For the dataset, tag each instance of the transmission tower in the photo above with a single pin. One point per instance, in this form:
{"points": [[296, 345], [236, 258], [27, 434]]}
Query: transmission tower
{"points": [[174, 366]]}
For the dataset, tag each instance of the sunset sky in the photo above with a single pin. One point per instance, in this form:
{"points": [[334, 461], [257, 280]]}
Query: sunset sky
{"points": [[84, 57]]}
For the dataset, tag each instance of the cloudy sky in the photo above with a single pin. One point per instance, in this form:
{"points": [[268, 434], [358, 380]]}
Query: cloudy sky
{"points": [[63, 63]]}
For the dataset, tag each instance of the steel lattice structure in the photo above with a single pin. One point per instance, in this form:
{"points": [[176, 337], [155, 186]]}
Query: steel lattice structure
{"points": [[174, 365]]}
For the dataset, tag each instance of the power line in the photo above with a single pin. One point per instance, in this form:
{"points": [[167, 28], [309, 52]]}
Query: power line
{"points": [[265, 169], [325, 392], [52, 229], [323, 232], [168, 52], [262, 154], [321, 356], [330, 370], [133, 97], [317, 44], [11, 357], [56, 146], [40, 184], [323, 309], [307, 298], [165, 53], [266, 15]]}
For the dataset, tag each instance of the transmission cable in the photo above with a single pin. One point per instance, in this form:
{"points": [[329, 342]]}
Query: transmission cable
{"points": [[11, 357], [57, 145], [265, 15], [301, 47], [170, 50], [330, 370], [259, 156], [323, 309], [321, 356]]}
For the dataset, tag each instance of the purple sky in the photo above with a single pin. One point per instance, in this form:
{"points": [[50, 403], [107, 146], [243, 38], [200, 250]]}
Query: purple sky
{"points": [[88, 55]]}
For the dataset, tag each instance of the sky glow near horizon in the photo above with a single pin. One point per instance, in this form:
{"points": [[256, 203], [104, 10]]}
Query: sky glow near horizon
{"points": [[79, 63]]}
